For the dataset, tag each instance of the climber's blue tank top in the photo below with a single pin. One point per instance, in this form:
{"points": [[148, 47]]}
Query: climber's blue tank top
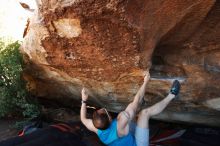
{"points": [[110, 136]]}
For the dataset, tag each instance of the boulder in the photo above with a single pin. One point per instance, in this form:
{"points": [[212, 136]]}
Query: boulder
{"points": [[106, 45]]}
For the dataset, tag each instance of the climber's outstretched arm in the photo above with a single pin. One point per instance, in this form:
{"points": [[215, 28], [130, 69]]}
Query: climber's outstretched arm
{"points": [[125, 116], [87, 122]]}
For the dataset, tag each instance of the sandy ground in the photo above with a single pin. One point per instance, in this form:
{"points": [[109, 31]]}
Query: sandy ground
{"points": [[6, 130]]}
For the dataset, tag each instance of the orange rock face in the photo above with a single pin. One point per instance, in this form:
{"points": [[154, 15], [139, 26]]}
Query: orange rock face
{"points": [[106, 45]]}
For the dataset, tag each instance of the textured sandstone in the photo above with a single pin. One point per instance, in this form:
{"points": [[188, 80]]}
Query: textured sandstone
{"points": [[106, 45]]}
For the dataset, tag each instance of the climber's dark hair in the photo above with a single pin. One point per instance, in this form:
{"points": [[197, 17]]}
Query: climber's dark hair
{"points": [[100, 120]]}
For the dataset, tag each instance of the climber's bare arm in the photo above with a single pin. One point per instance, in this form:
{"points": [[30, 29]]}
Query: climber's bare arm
{"points": [[125, 116], [87, 122], [131, 109]]}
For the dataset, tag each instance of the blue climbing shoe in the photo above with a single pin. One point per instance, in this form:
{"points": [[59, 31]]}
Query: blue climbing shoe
{"points": [[175, 88]]}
